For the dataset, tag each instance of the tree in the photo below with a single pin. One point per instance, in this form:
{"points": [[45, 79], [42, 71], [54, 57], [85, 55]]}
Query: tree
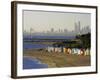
{"points": [[86, 40]]}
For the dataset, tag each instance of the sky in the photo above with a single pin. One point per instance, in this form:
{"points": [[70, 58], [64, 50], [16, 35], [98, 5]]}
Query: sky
{"points": [[41, 21]]}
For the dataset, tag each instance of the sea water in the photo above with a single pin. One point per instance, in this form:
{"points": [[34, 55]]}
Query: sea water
{"points": [[31, 63]]}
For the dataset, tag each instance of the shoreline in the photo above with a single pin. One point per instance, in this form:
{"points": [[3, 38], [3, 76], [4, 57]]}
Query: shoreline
{"points": [[32, 63], [42, 61], [54, 60]]}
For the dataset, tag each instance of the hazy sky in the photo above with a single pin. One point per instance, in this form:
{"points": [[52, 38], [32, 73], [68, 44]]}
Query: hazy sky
{"points": [[43, 21]]}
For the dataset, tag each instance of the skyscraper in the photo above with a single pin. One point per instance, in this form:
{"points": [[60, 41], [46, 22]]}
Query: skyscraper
{"points": [[52, 29], [77, 28]]}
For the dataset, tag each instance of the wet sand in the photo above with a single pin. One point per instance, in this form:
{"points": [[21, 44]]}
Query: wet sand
{"points": [[58, 59]]}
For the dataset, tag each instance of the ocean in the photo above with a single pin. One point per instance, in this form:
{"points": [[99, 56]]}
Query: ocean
{"points": [[30, 63], [40, 45]]}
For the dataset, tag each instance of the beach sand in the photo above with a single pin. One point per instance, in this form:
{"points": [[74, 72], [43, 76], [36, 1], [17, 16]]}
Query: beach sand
{"points": [[54, 59]]}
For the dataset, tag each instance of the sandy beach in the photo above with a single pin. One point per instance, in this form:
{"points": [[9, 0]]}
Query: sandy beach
{"points": [[58, 59]]}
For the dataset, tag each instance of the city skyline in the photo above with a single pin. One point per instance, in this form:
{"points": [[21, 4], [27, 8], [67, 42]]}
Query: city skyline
{"points": [[61, 32], [40, 21]]}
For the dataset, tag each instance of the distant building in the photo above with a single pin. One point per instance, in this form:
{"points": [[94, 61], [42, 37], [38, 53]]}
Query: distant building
{"points": [[31, 30], [65, 30], [77, 28], [52, 29]]}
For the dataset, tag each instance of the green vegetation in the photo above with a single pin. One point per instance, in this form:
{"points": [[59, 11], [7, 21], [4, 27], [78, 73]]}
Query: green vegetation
{"points": [[85, 39], [81, 41]]}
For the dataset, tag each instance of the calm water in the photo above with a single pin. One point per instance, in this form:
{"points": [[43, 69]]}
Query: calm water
{"points": [[49, 37], [40, 46], [34, 46], [30, 63]]}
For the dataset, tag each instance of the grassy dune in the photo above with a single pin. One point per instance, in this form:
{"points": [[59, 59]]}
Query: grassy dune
{"points": [[58, 59]]}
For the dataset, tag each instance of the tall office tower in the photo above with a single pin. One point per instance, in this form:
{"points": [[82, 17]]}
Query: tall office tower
{"points": [[52, 29], [31, 32], [88, 30], [77, 28], [59, 30]]}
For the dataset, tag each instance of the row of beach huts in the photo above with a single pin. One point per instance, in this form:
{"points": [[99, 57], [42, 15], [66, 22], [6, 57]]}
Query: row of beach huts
{"points": [[77, 51]]}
